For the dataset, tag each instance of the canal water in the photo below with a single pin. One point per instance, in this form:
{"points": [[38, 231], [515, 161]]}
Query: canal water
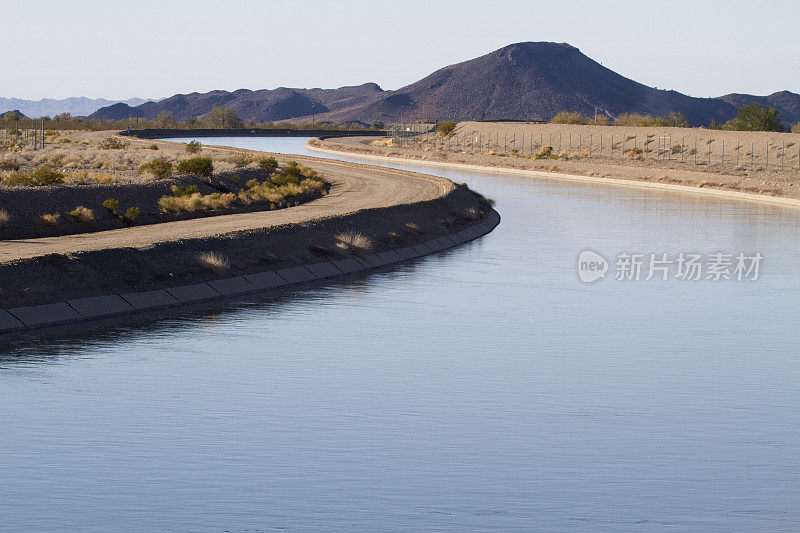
{"points": [[486, 387]]}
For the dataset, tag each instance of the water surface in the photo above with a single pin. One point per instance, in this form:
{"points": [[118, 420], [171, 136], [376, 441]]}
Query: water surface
{"points": [[484, 387]]}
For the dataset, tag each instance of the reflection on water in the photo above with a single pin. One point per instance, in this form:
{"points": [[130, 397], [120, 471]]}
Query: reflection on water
{"points": [[482, 388]]}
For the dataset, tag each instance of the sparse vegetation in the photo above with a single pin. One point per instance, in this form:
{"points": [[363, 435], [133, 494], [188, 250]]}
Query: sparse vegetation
{"points": [[5, 218], [755, 117], [240, 159], [674, 120], [214, 262], [42, 176], [153, 146], [188, 200], [112, 206], [8, 164], [356, 243], [192, 147], [82, 214], [566, 117], [269, 165], [184, 190], [445, 128], [796, 128], [113, 143], [202, 166], [159, 168], [130, 215], [50, 219]]}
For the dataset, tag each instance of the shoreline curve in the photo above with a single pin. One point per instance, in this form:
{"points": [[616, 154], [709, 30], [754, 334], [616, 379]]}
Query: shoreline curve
{"points": [[779, 201]]}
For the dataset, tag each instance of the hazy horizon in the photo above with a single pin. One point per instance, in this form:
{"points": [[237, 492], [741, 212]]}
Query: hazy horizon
{"points": [[155, 50]]}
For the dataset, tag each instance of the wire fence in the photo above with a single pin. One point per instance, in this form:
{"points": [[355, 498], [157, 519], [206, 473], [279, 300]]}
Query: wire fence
{"points": [[689, 149], [22, 134]]}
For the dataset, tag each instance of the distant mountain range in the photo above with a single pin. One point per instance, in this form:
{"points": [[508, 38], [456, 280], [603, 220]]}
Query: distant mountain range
{"points": [[265, 105], [523, 81], [77, 106]]}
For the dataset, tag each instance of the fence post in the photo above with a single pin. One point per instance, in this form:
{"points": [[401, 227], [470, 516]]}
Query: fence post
{"points": [[723, 153], [767, 157]]}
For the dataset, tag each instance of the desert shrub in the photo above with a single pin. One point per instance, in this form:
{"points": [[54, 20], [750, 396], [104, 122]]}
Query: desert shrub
{"points": [[634, 152], [281, 188], [796, 128], [113, 143], [111, 205], [158, 167], [89, 176], [445, 128], [292, 169], [82, 214], [676, 120], [8, 164], [602, 120], [5, 217], [192, 147], [184, 190], [194, 202], [213, 262], [353, 242], [283, 179], [545, 151], [566, 117], [240, 159], [50, 219], [153, 147], [677, 149], [130, 215], [202, 166], [270, 164], [44, 175], [756, 117]]}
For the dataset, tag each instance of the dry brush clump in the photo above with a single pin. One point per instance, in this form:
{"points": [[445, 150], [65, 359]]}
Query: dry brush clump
{"points": [[186, 199], [213, 262], [49, 219], [290, 184], [353, 242], [82, 214], [158, 168], [42, 176], [5, 218]]}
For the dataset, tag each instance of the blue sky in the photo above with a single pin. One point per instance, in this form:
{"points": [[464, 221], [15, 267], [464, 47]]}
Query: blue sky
{"points": [[148, 49]]}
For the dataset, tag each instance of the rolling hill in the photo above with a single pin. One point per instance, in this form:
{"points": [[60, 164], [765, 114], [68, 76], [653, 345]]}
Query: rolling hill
{"points": [[522, 81], [263, 105]]}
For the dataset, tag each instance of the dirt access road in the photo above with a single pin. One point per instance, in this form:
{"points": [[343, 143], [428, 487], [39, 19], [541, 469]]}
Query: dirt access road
{"points": [[354, 187]]}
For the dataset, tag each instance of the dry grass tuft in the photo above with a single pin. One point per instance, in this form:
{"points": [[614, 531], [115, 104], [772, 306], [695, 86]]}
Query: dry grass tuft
{"points": [[214, 262], [82, 214], [5, 217], [50, 219], [195, 202], [353, 242]]}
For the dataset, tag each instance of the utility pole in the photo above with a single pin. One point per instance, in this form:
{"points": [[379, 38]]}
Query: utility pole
{"points": [[595, 115], [313, 113]]}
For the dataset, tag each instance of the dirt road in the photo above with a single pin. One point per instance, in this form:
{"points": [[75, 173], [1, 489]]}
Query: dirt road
{"points": [[355, 187]]}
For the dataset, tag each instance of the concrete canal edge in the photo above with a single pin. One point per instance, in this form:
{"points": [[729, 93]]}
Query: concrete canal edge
{"points": [[99, 307]]}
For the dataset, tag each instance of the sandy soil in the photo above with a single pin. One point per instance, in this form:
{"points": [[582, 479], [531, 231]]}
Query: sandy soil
{"points": [[669, 169]]}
